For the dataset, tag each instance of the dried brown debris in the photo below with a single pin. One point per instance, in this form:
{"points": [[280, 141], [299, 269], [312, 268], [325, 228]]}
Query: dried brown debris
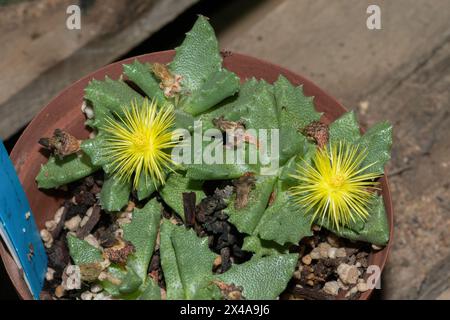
{"points": [[119, 253], [243, 186], [61, 143], [170, 83], [318, 132]]}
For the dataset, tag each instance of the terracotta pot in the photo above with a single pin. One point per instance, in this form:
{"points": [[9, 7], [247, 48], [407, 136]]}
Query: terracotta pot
{"points": [[64, 112]]}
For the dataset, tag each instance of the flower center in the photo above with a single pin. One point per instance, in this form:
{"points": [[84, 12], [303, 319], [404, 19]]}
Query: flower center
{"points": [[141, 142], [337, 181]]}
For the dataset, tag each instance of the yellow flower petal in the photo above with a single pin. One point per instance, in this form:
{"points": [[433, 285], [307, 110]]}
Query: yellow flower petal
{"points": [[139, 141], [333, 187]]}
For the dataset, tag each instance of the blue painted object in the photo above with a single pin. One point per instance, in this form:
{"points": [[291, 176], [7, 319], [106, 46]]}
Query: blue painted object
{"points": [[18, 228]]}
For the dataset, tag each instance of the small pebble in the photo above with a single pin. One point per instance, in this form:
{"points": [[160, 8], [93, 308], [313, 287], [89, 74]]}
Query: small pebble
{"points": [[341, 253], [87, 295], [331, 287], [50, 225], [333, 240], [124, 218], [310, 276], [27, 215], [377, 248], [102, 296], [130, 207], [351, 292], [297, 274], [58, 214], [84, 221], [315, 254], [310, 283], [92, 241], [50, 274], [307, 259], [72, 278], [362, 287], [46, 238], [49, 244], [323, 249], [45, 235], [332, 253], [96, 288], [119, 233], [347, 273], [59, 291], [87, 110], [73, 224], [342, 285], [89, 211]]}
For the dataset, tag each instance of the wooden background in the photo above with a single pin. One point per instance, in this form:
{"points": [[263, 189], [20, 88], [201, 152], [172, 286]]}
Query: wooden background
{"points": [[400, 73]]}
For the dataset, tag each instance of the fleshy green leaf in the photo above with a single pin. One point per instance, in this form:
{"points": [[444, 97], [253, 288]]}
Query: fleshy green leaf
{"points": [[82, 252], [375, 229], [284, 221], [198, 56], [115, 194], [219, 85], [255, 106], [290, 168], [216, 171], [198, 60], [378, 141], [262, 278], [129, 286], [130, 282], [143, 77], [152, 291], [346, 128], [184, 120], [295, 111], [109, 97], [145, 187], [262, 248], [95, 149], [142, 232], [246, 219], [58, 172], [172, 192], [187, 264]]}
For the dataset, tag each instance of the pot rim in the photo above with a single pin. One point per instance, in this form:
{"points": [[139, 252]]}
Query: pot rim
{"points": [[13, 271]]}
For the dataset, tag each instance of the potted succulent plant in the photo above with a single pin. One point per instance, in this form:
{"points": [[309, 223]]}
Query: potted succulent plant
{"points": [[122, 219]]}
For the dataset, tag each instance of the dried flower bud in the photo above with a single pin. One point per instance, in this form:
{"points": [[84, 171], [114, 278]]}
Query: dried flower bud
{"points": [[169, 83], [71, 278], [61, 144], [229, 291], [120, 252], [318, 132], [243, 186]]}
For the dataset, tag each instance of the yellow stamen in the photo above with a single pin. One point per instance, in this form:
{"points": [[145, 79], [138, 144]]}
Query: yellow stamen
{"points": [[334, 186], [139, 141]]}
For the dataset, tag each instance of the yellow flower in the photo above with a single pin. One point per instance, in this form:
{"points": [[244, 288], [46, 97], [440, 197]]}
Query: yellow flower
{"points": [[334, 186], [139, 141]]}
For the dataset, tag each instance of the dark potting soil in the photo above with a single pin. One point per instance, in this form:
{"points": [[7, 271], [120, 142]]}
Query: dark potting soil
{"points": [[207, 219]]}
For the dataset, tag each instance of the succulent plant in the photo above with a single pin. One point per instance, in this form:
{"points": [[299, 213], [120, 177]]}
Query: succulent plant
{"points": [[267, 209]]}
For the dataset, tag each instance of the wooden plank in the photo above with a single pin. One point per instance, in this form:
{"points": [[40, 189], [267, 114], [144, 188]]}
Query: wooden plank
{"points": [[399, 73], [328, 41], [42, 56], [418, 104], [437, 282]]}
